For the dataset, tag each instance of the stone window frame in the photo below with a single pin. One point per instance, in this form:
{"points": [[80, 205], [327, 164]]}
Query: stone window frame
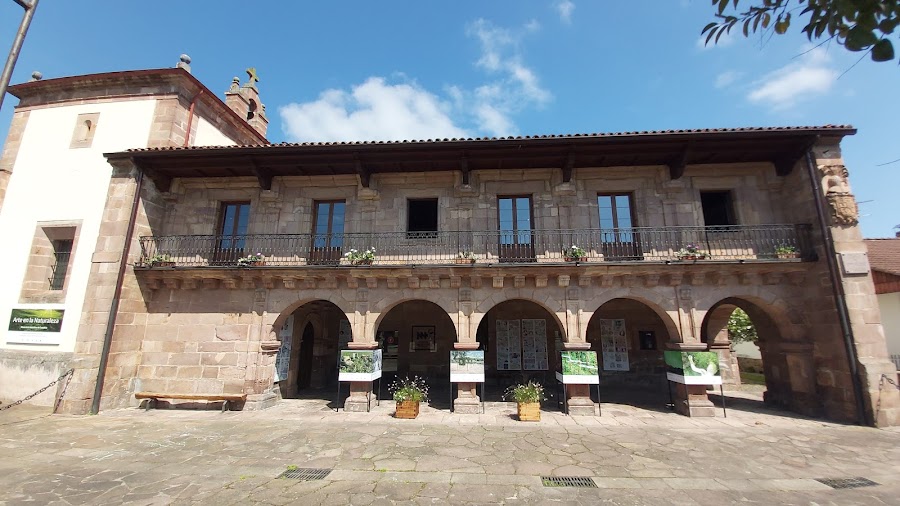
{"points": [[84, 131], [36, 285]]}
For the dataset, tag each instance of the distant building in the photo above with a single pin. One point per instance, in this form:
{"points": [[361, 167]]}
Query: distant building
{"points": [[247, 270], [884, 257]]}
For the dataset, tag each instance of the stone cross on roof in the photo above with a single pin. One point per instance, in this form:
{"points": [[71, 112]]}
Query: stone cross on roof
{"points": [[253, 77]]}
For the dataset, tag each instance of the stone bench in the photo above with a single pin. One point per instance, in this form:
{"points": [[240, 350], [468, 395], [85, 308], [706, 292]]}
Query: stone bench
{"points": [[155, 396]]}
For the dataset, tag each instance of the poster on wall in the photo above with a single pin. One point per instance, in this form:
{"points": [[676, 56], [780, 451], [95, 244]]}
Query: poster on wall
{"points": [[614, 345], [578, 368], [345, 335], [509, 345], [35, 326], [360, 365], [283, 358], [422, 338], [534, 345], [467, 366], [693, 367]]}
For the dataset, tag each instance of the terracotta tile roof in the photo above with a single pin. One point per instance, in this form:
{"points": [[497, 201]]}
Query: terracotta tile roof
{"points": [[836, 129], [884, 255]]}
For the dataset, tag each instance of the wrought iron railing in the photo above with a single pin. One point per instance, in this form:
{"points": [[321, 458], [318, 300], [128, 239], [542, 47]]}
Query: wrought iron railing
{"points": [[757, 242]]}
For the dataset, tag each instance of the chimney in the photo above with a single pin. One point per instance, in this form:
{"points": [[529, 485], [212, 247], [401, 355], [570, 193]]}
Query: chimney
{"points": [[184, 62], [245, 101]]}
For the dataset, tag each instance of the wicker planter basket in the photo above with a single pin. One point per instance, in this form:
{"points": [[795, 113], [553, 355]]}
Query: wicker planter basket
{"points": [[529, 411], [407, 409]]}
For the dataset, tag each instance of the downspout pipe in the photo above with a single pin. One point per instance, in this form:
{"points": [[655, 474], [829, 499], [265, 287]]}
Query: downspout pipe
{"points": [[6, 74], [117, 295], [837, 289], [187, 134]]}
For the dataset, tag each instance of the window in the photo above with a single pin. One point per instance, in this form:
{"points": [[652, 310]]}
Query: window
{"points": [[718, 209], [234, 218], [328, 232], [49, 264], [516, 238], [422, 218], [62, 250], [85, 127], [620, 241]]}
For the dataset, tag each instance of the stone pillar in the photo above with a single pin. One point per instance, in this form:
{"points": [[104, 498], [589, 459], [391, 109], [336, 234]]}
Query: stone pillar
{"points": [[801, 371], [467, 401], [11, 150], [360, 391], [579, 396], [691, 400]]}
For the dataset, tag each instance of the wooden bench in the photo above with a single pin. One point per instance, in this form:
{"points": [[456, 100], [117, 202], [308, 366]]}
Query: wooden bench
{"points": [[155, 396]]}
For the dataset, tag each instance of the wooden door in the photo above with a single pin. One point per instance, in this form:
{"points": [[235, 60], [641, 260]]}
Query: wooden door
{"points": [[516, 235], [328, 233]]}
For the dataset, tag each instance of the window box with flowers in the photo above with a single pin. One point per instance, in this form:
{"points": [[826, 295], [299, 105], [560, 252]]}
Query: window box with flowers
{"points": [[465, 257], [252, 260], [408, 393], [690, 252], [161, 260], [785, 251], [574, 254], [356, 257]]}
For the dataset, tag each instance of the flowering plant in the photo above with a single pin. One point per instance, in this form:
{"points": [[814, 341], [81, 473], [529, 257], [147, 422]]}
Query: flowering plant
{"points": [[525, 392], [409, 389], [250, 260], [359, 257], [574, 252], [690, 251], [160, 258], [785, 249], [468, 255]]}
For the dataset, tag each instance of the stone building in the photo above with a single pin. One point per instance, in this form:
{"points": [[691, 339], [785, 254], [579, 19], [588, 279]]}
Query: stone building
{"points": [[245, 269], [53, 184], [884, 258]]}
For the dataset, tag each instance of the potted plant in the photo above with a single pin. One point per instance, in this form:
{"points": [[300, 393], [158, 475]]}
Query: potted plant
{"points": [[408, 393], [787, 251], [161, 260], [465, 257], [252, 260], [528, 397], [357, 257], [690, 252], [574, 254]]}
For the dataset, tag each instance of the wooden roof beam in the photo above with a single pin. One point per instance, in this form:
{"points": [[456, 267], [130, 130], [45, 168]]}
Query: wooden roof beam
{"points": [[679, 163], [361, 171]]}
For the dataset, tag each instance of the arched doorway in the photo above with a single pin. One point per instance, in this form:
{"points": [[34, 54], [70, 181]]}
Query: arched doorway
{"points": [[311, 337], [786, 363], [416, 337], [521, 340], [630, 337]]}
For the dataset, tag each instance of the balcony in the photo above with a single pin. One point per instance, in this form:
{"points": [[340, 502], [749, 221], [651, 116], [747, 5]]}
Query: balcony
{"points": [[738, 243]]}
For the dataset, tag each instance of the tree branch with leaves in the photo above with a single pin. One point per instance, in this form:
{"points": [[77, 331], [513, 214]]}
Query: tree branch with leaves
{"points": [[858, 25]]}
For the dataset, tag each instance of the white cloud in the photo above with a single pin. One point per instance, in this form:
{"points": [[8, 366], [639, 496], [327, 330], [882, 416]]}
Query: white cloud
{"points": [[373, 110], [807, 78], [727, 78], [565, 8], [381, 110]]}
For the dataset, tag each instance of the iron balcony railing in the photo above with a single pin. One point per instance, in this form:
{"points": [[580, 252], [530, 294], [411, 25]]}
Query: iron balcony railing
{"points": [[744, 242]]}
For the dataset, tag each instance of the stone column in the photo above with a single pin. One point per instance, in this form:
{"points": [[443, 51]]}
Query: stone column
{"points": [[691, 395], [11, 150], [467, 401], [360, 391]]}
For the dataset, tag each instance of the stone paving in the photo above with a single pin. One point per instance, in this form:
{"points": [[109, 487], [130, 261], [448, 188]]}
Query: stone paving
{"points": [[635, 456]]}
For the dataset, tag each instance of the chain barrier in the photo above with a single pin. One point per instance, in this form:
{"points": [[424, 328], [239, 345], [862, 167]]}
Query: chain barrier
{"points": [[39, 392], [885, 377]]}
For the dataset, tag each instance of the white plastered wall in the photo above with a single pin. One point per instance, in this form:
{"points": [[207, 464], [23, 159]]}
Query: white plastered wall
{"points": [[208, 135], [889, 304], [52, 182]]}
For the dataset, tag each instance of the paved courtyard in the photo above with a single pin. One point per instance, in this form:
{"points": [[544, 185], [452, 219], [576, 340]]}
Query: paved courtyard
{"points": [[634, 456]]}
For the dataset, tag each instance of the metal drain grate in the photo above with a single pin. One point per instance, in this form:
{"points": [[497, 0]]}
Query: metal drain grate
{"points": [[305, 474], [847, 482], [568, 481]]}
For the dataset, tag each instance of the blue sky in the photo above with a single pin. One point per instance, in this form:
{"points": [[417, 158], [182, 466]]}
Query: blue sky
{"points": [[356, 70]]}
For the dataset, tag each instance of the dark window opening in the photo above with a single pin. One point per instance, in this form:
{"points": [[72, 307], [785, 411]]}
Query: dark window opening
{"points": [[718, 209], [62, 250], [422, 218]]}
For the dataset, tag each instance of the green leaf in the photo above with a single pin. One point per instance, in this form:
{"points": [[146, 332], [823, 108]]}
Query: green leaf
{"points": [[708, 27], [781, 27], [723, 4], [859, 38], [766, 19], [883, 51]]}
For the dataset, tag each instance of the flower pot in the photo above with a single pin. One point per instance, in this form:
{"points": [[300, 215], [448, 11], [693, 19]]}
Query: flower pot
{"points": [[407, 409], [162, 264], [363, 261], [254, 263], [465, 260], [572, 259], [692, 257], [529, 411], [784, 256]]}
